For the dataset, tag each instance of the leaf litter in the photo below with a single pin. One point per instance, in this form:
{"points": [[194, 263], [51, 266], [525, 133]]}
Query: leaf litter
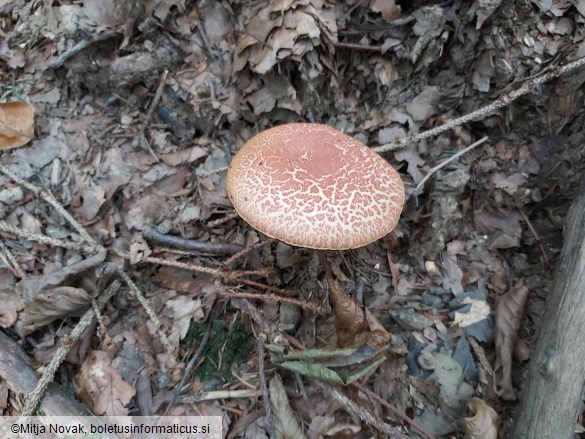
{"points": [[479, 227]]}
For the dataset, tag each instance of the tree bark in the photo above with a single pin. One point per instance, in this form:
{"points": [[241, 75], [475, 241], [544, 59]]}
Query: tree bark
{"points": [[21, 378], [556, 377]]}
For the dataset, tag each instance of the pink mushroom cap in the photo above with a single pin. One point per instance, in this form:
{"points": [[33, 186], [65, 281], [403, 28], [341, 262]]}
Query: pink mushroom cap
{"points": [[312, 186]]}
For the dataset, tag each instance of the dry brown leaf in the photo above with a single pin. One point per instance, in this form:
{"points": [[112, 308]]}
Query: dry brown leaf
{"points": [[485, 9], [12, 303], [184, 309], [484, 423], [508, 184], [286, 423], [506, 221], [453, 274], [354, 325], [53, 304], [483, 71], [423, 106], [101, 386], [51, 296], [16, 124], [508, 316]]}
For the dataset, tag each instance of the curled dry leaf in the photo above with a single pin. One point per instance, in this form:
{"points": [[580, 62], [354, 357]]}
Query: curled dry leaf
{"points": [[508, 316], [52, 295], [16, 124], [354, 325], [484, 423], [51, 305], [286, 424]]}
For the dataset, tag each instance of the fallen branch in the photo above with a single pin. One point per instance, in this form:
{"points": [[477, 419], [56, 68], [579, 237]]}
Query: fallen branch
{"points": [[504, 101]]}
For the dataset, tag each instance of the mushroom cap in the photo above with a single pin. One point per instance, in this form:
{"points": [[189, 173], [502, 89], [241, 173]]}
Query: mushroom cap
{"points": [[312, 186]]}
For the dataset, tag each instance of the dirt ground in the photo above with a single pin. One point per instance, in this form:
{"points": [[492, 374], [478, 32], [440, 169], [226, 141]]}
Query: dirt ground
{"points": [[140, 106]]}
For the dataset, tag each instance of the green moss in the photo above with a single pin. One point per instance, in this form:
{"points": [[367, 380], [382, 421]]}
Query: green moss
{"points": [[234, 346]]}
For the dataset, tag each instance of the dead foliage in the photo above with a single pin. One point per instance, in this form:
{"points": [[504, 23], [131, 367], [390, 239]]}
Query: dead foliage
{"points": [[128, 111]]}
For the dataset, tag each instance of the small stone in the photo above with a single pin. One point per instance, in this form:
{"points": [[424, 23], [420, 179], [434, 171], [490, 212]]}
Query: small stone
{"points": [[409, 319]]}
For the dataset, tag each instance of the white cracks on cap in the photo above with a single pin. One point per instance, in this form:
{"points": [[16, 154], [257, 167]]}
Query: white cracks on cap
{"points": [[312, 186]]}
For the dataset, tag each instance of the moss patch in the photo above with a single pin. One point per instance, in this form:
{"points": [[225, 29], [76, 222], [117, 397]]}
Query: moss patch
{"points": [[238, 346]]}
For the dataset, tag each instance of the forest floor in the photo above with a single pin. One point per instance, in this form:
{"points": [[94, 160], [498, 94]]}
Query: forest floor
{"points": [[140, 104]]}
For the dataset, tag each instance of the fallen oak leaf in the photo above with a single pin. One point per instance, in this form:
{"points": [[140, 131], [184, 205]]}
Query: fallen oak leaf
{"points": [[16, 124]]}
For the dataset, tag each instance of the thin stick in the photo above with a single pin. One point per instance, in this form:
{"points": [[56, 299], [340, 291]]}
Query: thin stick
{"points": [[363, 414], [192, 362], [210, 248], [49, 198], [394, 410], [149, 311], [263, 387], [156, 99], [356, 46], [504, 101], [67, 343], [310, 306], [82, 45], [534, 234], [446, 162], [221, 394]]}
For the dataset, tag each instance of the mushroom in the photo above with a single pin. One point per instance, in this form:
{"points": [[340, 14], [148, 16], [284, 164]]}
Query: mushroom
{"points": [[310, 185]]}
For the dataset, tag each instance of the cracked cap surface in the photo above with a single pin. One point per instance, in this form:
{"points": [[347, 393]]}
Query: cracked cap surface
{"points": [[310, 185]]}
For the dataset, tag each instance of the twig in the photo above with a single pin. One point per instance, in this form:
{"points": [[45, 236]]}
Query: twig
{"points": [[446, 162], [358, 47], [102, 320], [82, 45], [149, 311], [246, 251], [394, 410], [156, 98], [221, 394], [480, 354], [256, 315], [504, 101], [210, 248], [11, 261], [157, 95], [192, 362], [360, 412], [49, 198], [220, 221], [263, 387], [92, 250], [67, 343], [534, 234], [229, 292], [94, 247], [348, 404]]}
